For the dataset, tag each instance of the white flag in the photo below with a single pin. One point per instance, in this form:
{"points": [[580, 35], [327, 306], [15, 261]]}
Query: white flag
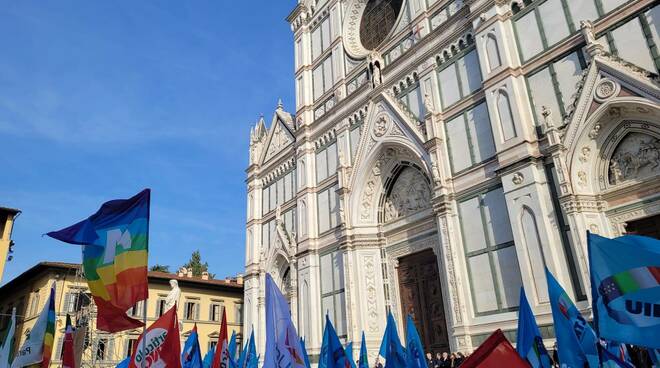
{"points": [[32, 350], [5, 349]]}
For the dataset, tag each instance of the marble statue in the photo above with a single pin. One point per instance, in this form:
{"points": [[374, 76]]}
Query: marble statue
{"points": [[173, 296]]}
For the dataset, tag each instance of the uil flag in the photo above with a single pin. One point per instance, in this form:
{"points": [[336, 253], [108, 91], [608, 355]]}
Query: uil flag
{"points": [[333, 354], [414, 348], [6, 347], [68, 356], [363, 362], [114, 241], [304, 350], [576, 340], [530, 344], [390, 348], [625, 288], [191, 357], [221, 356], [38, 348], [162, 348], [282, 342]]}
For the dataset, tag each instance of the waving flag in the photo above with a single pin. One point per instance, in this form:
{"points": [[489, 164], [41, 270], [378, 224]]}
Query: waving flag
{"points": [[576, 340], [38, 348], [304, 350], [208, 358], [614, 355], [333, 354], [232, 346], [191, 357], [68, 355], [162, 348], [251, 358], [221, 356], [390, 348], [349, 354], [7, 347], [282, 341], [124, 363], [497, 352], [414, 348], [114, 241], [530, 344], [625, 288], [363, 362]]}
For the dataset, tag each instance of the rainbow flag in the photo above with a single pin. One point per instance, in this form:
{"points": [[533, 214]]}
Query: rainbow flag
{"points": [[49, 336], [115, 252]]}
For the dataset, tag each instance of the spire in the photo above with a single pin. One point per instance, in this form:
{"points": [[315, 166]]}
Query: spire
{"points": [[280, 105]]}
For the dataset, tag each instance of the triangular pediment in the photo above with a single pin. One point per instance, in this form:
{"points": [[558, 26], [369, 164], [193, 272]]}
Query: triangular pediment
{"points": [[608, 79], [279, 138]]}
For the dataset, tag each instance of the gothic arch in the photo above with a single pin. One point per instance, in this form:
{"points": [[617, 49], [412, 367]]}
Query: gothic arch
{"points": [[407, 190], [492, 52]]}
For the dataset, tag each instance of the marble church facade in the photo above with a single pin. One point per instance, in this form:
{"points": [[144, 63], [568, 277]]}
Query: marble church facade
{"points": [[442, 153]]}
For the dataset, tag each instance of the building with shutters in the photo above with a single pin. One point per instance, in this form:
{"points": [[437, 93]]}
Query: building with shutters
{"points": [[202, 302], [7, 217], [441, 153]]}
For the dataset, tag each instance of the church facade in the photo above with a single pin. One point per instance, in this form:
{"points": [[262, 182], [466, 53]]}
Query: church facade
{"points": [[442, 153]]}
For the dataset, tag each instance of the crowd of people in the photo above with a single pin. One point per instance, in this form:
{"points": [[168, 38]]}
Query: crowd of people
{"points": [[445, 360]]}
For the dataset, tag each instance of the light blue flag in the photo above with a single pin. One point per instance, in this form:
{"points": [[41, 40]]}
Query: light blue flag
{"points": [[251, 358], [232, 347], [304, 349], [191, 356], [576, 340], [349, 354], [625, 288], [529, 343], [333, 354], [208, 358], [414, 347], [363, 362], [124, 363], [282, 341], [390, 348], [241, 357], [614, 355]]}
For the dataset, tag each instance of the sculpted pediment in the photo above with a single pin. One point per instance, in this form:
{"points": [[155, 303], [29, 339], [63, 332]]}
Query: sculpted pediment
{"points": [[280, 137]]}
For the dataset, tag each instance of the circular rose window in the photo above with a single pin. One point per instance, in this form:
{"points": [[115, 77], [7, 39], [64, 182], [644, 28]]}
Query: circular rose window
{"points": [[377, 22]]}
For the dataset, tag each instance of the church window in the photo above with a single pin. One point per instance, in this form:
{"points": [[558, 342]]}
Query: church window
{"points": [[459, 79], [470, 138], [490, 251], [553, 86], [326, 162], [492, 52], [332, 290], [328, 209], [505, 115]]}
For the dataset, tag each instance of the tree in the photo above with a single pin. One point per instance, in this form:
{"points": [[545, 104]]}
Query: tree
{"points": [[160, 268], [196, 266]]}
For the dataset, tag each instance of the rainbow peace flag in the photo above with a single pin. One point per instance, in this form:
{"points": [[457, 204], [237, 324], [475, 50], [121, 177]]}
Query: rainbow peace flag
{"points": [[115, 252], [49, 336]]}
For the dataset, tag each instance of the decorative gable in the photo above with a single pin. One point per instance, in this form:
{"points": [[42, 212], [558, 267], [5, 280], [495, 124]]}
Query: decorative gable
{"points": [[280, 137]]}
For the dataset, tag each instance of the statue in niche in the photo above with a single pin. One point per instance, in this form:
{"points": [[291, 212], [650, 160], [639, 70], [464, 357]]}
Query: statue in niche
{"points": [[173, 296], [375, 66]]}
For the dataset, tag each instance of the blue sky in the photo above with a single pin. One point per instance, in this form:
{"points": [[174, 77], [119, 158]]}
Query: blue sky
{"points": [[99, 99]]}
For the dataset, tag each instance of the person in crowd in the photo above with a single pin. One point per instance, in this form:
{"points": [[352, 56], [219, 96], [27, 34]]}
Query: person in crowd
{"points": [[452, 360], [459, 358], [430, 362], [444, 360]]}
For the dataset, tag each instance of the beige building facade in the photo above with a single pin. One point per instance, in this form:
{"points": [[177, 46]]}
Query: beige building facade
{"points": [[202, 302], [7, 217]]}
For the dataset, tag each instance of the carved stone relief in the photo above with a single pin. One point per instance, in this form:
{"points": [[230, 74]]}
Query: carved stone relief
{"points": [[280, 140], [410, 193], [636, 157]]}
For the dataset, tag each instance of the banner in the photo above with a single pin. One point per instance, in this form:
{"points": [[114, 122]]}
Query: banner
{"points": [[221, 357], [390, 348], [414, 348], [332, 354], [161, 347], [191, 356], [7, 346], [38, 347], [625, 288], [282, 342]]}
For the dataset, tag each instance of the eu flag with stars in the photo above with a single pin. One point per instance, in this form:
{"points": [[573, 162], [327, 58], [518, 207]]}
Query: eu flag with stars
{"points": [[625, 288]]}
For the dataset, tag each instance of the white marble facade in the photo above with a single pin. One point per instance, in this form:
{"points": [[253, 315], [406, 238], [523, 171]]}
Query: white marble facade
{"points": [[495, 133]]}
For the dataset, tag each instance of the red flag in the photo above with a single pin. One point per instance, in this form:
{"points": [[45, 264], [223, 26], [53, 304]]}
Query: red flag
{"points": [[495, 352], [221, 357], [68, 360], [163, 348]]}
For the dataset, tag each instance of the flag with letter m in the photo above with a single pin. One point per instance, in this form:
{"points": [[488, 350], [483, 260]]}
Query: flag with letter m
{"points": [[114, 242], [625, 288]]}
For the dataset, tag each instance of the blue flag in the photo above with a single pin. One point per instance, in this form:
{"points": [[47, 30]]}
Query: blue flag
{"points": [[614, 355], [529, 343], [304, 349], [251, 358], [414, 348], [232, 347], [363, 362], [625, 288], [349, 354], [576, 340], [282, 341], [191, 356], [208, 358], [124, 363], [390, 348], [333, 354]]}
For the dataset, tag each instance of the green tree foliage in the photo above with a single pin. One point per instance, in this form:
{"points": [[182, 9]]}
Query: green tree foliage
{"points": [[160, 268], [195, 264]]}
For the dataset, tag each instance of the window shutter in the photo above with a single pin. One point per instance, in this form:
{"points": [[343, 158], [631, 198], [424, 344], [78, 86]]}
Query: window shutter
{"points": [[197, 305], [58, 349], [110, 350], [67, 300]]}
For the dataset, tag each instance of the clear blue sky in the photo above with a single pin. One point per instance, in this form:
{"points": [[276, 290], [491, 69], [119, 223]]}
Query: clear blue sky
{"points": [[100, 99]]}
